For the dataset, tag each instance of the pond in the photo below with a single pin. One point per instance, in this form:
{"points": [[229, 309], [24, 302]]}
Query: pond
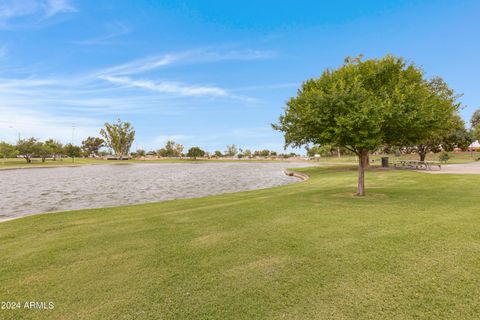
{"points": [[39, 190]]}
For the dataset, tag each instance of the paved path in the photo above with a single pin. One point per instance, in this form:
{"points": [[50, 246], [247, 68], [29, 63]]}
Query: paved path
{"points": [[464, 168]]}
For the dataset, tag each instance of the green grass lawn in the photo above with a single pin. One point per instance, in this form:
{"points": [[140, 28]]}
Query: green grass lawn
{"points": [[409, 250]]}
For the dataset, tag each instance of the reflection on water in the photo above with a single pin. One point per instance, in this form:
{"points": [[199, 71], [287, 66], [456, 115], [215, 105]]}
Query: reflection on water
{"points": [[26, 192]]}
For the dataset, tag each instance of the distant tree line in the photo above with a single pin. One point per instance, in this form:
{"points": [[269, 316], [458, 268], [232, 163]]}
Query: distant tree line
{"points": [[118, 137], [175, 150], [33, 148]]}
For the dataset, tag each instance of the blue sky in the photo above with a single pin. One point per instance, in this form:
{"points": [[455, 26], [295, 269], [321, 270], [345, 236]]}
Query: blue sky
{"points": [[207, 73]]}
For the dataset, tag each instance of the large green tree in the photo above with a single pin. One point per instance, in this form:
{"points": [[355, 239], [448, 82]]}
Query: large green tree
{"points": [[195, 152], [171, 149], [7, 150], [72, 151], [452, 135], [365, 104], [43, 150], [475, 122], [231, 150], [27, 148], [92, 145], [55, 146], [119, 137]]}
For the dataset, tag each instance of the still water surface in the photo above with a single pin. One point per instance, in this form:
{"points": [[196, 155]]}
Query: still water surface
{"points": [[32, 191]]}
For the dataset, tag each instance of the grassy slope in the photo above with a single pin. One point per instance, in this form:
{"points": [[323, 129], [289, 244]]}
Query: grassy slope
{"points": [[410, 249]]}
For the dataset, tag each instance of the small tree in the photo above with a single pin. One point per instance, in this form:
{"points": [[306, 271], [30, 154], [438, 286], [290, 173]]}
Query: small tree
{"points": [[365, 104], [7, 150], [171, 149], [452, 135], [476, 133], [459, 138], [195, 152], [218, 154], [72, 151], [444, 157], [475, 121], [178, 149], [27, 148], [262, 153], [119, 137], [141, 153], [56, 148], [92, 145], [231, 150], [43, 150]]}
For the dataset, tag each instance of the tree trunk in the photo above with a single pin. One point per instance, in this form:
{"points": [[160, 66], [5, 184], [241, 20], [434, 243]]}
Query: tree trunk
{"points": [[422, 154], [362, 160], [366, 161]]}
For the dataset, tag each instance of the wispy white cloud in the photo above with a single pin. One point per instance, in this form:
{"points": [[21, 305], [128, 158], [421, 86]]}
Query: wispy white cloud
{"points": [[85, 96], [185, 57], [25, 12], [114, 30], [168, 87], [54, 7], [122, 74], [44, 125], [24, 83], [47, 107]]}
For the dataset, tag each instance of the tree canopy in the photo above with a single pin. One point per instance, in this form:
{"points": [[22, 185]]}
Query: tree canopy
{"points": [[195, 152], [72, 151], [231, 150], [27, 148], [119, 137], [365, 104], [92, 145], [171, 149], [475, 122], [7, 150]]}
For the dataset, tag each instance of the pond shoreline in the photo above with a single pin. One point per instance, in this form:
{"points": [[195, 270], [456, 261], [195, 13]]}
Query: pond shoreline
{"points": [[90, 187]]}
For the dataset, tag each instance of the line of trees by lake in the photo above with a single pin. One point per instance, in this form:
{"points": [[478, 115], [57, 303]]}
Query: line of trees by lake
{"points": [[177, 150], [118, 138]]}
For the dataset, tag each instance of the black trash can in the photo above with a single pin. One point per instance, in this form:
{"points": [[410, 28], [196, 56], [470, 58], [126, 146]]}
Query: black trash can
{"points": [[384, 162]]}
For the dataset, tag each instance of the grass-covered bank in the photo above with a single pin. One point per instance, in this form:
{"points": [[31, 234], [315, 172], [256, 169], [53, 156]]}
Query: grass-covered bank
{"points": [[310, 250]]}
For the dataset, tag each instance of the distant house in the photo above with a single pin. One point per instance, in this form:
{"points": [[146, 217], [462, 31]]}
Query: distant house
{"points": [[115, 157], [474, 147]]}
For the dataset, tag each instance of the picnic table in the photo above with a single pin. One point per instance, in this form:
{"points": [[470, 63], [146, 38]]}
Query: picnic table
{"points": [[413, 164]]}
